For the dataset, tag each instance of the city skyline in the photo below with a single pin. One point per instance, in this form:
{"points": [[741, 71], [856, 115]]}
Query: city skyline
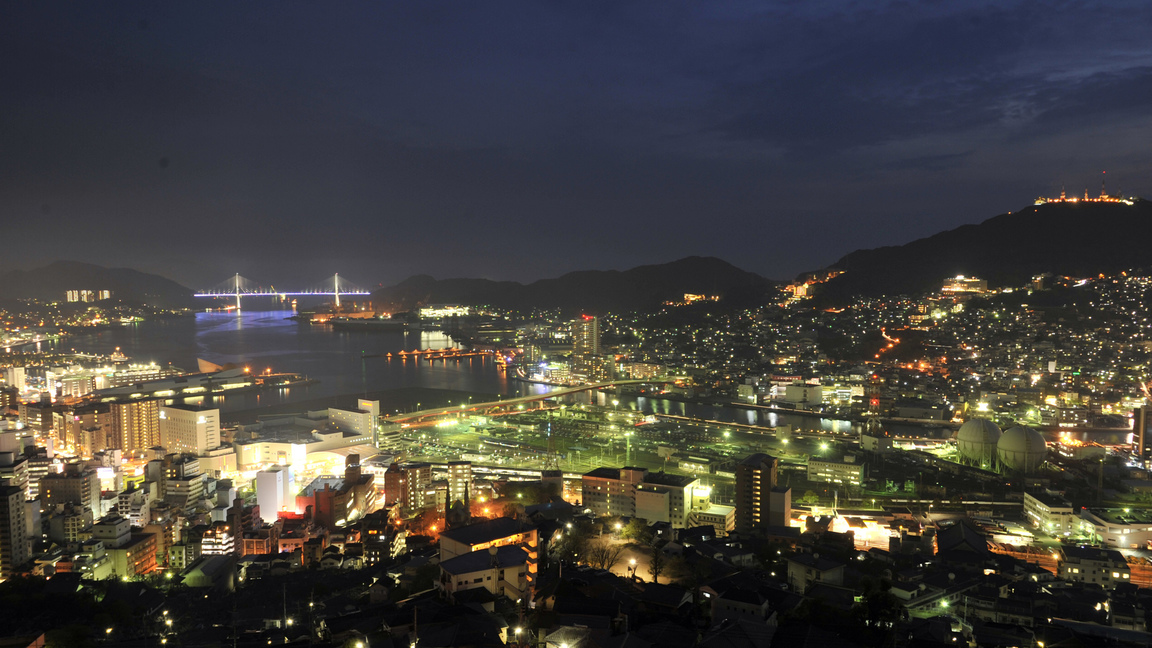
{"points": [[391, 141]]}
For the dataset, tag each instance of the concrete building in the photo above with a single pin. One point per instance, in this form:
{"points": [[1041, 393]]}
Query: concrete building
{"points": [[14, 377], [662, 497], [273, 492], [847, 472], [586, 336], [503, 571], [362, 421], [780, 506], [803, 394], [417, 479], [611, 491], [15, 547], [136, 424], [495, 533], [719, 517], [1121, 528], [459, 482], [1050, 513], [78, 485], [1104, 567], [808, 569], [189, 429], [755, 479], [336, 502]]}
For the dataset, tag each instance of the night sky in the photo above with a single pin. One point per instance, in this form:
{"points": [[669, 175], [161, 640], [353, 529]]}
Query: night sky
{"points": [[290, 140]]}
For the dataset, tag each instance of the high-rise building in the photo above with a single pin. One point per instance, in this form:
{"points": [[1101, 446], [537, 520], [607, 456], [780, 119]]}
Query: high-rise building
{"points": [[586, 336], [14, 377], [85, 430], [755, 479], [78, 484], [459, 482], [1141, 419], [189, 429], [417, 479], [15, 547], [273, 492], [136, 424]]}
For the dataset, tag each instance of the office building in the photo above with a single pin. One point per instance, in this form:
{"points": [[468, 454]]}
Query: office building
{"points": [[847, 472], [1050, 513], [188, 429]]}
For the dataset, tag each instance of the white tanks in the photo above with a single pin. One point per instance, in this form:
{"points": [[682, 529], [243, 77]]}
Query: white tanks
{"points": [[976, 440], [1021, 449]]}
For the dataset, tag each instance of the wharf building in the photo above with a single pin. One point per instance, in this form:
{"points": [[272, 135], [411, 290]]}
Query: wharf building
{"points": [[760, 502]]}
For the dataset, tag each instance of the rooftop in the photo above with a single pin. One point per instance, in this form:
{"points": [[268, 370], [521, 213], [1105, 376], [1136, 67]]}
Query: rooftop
{"points": [[1092, 553], [486, 531], [507, 556], [1051, 501], [1122, 516], [666, 479], [756, 460]]}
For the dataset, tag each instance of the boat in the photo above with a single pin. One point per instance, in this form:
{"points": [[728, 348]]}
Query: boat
{"points": [[372, 324]]}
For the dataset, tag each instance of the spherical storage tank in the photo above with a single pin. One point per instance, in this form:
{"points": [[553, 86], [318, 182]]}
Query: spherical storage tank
{"points": [[977, 439], [1021, 449]]}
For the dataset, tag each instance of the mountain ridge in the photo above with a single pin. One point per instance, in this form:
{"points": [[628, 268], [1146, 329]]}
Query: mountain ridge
{"points": [[595, 291], [51, 282], [1078, 239]]}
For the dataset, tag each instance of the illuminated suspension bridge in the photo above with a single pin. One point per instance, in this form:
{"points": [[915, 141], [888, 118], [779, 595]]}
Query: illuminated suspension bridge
{"points": [[237, 287]]}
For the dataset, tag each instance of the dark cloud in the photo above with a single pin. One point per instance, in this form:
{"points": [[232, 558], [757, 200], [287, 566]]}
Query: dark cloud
{"points": [[526, 139]]}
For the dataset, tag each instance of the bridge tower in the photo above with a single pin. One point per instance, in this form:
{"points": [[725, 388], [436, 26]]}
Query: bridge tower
{"points": [[237, 292], [336, 288]]}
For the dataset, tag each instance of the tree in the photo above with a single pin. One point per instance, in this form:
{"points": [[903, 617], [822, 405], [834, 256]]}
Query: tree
{"points": [[657, 563], [604, 554], [636, 530], [809, 498]]}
